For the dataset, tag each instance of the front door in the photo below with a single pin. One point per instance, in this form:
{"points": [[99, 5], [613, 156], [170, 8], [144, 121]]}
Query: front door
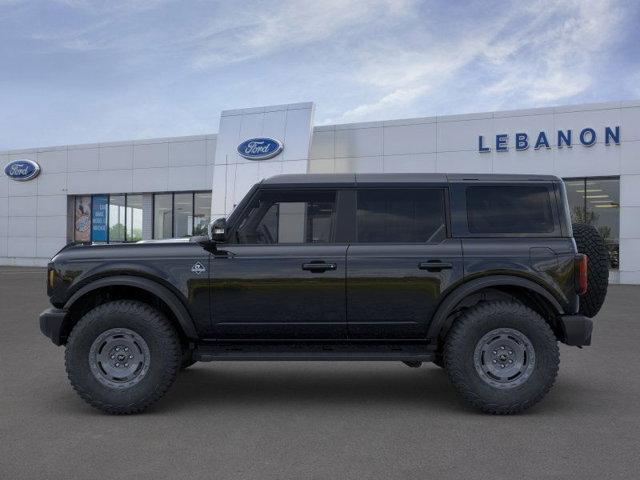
{"points": [[281, 276], [401, 262]]}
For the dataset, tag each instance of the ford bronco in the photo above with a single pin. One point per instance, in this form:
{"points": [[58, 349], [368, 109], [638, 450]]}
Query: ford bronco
{"points": [[482, 275]]}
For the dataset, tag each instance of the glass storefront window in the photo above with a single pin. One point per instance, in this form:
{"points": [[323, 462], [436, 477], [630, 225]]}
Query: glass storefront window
{"points": [[120, 217], [596, 202], [82, 219], [182, 215], [134, 218], [201, 212], [117, 218], [162, 215]]}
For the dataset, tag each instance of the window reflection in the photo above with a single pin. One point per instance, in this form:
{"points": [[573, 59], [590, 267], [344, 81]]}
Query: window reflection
{"points": [[201, 212], [134, 218], [117, 214], [162, 215], [183, 214], [596, 202]]}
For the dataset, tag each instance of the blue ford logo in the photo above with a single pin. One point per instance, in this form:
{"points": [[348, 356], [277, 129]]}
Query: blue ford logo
{"points": [[22, 170], [260, 148]]}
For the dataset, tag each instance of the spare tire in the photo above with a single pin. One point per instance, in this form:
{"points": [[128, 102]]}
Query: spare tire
{"points": [[590, 242]]}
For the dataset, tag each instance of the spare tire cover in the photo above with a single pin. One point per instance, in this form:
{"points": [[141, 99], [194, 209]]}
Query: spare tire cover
{"points": [[590, 242]]}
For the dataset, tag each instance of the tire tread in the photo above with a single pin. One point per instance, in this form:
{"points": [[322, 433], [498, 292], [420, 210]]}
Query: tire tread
{"points": [[164, 330]]}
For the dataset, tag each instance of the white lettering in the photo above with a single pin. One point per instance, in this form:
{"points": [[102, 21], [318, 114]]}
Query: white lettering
{"points": [[18, 170], [256, 148]]}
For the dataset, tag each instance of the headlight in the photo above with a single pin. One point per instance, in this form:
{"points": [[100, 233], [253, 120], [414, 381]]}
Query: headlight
{"points": [[52, 276]]}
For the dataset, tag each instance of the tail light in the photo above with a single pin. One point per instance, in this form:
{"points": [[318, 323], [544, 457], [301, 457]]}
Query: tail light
{"points": [[581, 274]]}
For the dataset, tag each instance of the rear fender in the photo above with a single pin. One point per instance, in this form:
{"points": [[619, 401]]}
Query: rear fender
{"points": [[447, 306]]}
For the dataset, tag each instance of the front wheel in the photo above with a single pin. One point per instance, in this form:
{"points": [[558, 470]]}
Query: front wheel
{"points": [[502, 357], [122, 356]]}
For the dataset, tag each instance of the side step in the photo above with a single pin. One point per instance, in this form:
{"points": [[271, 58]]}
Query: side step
{"points": [[397, 352]]}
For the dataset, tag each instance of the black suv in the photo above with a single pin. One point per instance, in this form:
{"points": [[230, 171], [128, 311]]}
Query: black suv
{"points": [[479, 274]]}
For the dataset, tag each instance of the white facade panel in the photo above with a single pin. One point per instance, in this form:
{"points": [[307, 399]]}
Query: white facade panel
{"points": [[630, 157], [463, 135], [630, 119], [51, 226], [22, 227], [151, 155], [21, 207], [322, 165], [83, 159], [464, 162], [419, 162], [580, 161], [47, 247], [4, 184], [53, 161], [407, 139], [23, 189], [51, 205], [358, 165], [188, 178], [150, 180], [117, 157], [322, 145], [21, 247], [630, 191], [358, 142], [297, 135], [188, 153], [52, 183]]}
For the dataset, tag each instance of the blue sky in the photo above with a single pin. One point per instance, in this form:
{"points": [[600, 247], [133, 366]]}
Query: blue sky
{"points": [[77, 71]]}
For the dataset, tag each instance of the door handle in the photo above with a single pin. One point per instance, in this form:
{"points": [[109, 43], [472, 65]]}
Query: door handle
{"points": [[318, 267], [434, 266]]}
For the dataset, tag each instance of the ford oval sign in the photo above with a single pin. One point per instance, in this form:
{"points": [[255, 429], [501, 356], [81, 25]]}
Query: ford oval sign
{"points": [[260, 148], [22, 170]]}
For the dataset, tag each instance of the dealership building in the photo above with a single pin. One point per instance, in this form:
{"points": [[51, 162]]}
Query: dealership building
{"points": [[171, 187]]}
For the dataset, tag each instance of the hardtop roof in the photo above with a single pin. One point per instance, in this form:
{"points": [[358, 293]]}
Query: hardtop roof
{"points": [[355, 179]]}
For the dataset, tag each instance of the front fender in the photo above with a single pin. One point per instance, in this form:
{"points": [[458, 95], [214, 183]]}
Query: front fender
{"points": [[163, 293]]}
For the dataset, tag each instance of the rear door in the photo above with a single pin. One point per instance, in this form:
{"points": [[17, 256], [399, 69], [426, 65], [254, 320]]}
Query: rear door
{"points": [[401, 261]]}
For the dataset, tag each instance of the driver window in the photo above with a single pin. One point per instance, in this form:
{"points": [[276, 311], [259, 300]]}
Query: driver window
{"points": [[289, 217]]}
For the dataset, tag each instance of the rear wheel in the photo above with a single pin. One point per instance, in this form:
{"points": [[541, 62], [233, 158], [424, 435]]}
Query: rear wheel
{"points": [[502, 357], [590, 242], [122, 356]]}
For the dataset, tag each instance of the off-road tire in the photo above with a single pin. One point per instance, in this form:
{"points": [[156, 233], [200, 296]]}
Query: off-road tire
{"points": [[590, 242], [467, 332], [164, 352]]}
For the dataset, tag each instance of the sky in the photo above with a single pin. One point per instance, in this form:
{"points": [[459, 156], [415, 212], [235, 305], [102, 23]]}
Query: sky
{"points": [[80, 71]]}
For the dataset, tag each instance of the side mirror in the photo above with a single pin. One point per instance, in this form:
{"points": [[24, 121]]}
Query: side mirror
{"points": [[218, 230]]}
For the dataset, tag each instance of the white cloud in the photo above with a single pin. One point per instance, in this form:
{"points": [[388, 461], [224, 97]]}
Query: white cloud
{"points": [[253, 33], [544, 51]]}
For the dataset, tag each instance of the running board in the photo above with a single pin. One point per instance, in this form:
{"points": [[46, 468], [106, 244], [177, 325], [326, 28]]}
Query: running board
{"points": [[314, 352]]}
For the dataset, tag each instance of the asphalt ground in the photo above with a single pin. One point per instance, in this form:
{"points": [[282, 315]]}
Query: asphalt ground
{"points": [[317, 420]]}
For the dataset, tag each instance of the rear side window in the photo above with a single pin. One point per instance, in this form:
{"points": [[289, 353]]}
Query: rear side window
{"points": [[401, 216], [509, 209]]}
